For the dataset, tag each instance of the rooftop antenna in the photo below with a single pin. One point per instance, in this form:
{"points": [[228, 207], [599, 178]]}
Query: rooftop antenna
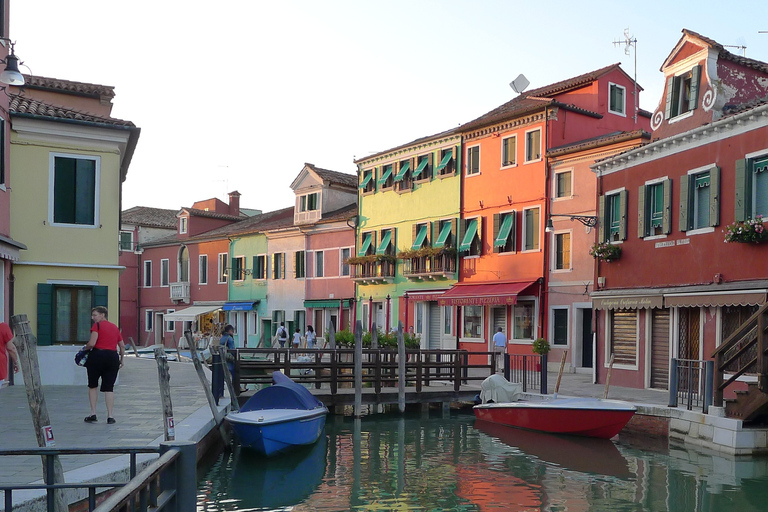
{"points": [[519, 84], [630, 42], [740, 47]]}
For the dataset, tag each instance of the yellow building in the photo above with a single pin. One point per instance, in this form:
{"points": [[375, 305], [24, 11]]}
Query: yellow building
{"points": [[71, 159]]}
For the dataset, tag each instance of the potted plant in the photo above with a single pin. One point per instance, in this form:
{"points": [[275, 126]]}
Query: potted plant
{"points": [[605, 251], [748, 231], [541, 347]]}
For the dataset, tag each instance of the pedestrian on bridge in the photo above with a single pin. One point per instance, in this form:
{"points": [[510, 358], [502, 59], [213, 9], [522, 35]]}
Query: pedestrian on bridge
{"points": [[499, 348]]}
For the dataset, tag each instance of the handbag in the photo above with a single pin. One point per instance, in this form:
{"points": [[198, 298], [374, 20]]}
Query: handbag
{"points": [[82, 357]]}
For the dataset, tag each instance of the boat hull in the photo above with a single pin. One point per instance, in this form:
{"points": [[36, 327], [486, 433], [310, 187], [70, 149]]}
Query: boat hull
{"points": [[591, 418], [274, 431]]}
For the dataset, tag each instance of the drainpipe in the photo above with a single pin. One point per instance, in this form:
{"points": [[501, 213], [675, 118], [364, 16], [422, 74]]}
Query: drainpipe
{"points": [[543, 292]]}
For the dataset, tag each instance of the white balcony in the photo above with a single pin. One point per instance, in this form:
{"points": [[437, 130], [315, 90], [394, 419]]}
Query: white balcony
{"points": [[180, 291]]}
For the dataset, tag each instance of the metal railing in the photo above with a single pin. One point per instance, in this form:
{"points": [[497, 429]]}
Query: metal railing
{"points": [[691, 383], [426, 266], [528, 369], [165, 484], [179, 290]]}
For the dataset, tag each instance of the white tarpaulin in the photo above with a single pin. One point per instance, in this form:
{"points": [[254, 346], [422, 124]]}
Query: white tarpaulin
{"points": [[497, 389], [188, 314]]}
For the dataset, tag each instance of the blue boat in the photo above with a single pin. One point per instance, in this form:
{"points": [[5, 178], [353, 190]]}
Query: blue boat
{"points": [[278, 418]]}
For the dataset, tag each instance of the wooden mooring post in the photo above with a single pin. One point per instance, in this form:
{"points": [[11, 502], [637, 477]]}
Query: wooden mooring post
{"points": [[26, 345], [217, 416], [400, 368], [164, 379], [358, 370]]}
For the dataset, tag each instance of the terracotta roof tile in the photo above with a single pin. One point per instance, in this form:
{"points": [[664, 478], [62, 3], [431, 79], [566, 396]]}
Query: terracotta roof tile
{"points": [[28, 107], [254, 224], [57, 84], [725, 54], [346, 212], [349, 180], [151, 217], [416, 142], [194, 212]]}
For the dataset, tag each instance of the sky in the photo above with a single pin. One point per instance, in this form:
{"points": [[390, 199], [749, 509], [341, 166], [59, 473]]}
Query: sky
{"points": [[239, 94]]}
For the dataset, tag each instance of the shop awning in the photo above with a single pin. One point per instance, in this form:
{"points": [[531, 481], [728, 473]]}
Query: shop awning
{"points": [[489, 294], [469, 236], [324, 303], [504, 230], [9, 248], [366, 180], [385, 241], [750, 298], [446, 159], [189, 314], [443, 236], [404, 169], [420, 237], [367, 239], [239, 306], [420, 168], [628, 302]]}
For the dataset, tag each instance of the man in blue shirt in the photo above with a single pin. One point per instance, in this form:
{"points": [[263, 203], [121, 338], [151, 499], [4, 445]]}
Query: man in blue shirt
{"points": [[499, 348]]}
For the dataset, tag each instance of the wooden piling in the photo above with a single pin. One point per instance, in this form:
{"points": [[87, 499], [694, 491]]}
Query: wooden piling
{"points": [[560, 373], [400, 368], [332, 336], [374, 335], [358, 370], [164, 379], [133, 346], [608, 377], [26, 345], [234, 405], [217, 416]]}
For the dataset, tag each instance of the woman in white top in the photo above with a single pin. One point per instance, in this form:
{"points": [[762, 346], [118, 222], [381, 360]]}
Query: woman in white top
{"points": [[310, 337], [296, 341]]}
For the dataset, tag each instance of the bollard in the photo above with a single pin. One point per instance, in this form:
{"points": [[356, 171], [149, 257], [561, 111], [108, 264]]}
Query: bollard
{"points": [[673, 384], [709, 371], [183, 477], [544, 374]]}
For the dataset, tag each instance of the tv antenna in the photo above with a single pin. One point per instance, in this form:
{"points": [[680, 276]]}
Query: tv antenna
{"points": [[738, 46], [630, 42]]}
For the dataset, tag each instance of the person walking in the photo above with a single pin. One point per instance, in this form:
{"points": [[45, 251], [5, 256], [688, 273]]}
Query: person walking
{"points": [[310, 337], [499, 348], [282, 334], [103, 362], [296, 341], [228, 341], [7, 347]]}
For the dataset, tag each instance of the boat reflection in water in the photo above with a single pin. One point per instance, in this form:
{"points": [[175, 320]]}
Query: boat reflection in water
{"points": [[258, 482], [582, 454]]}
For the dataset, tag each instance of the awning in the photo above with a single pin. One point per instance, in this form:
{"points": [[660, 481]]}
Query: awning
{"points": [[504, 230], [489, 294], [9, 248], [366, 180], [422, 165], [324, 303], [385, 175], [385, 241], [367, 239], [446, 159], [420, 237], [443, 236], [404, 169], [628, 302], [469, 236], [754, 298], [189, 314], [239, 306]]}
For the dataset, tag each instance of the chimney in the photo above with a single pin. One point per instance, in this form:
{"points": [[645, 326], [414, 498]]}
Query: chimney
{"points": [[234, 203]]}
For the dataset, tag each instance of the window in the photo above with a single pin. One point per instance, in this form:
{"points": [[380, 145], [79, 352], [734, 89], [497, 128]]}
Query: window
{"points": [[183, 224], [72, 314], [653, 201], [533, 146], [623, 333], [563, 184], [699, 199], [447, 319], [560, 327], [472, 322], [170, 325], [147, 274], [369, 181], [183, 264], [2, 144], [473, 160], [74, 190], [238, 268], [617, 99], [148, 317], [531, 229], [404, 178], [420, 235], [447, 165], [508, 151], [260, 266], [752, 188], [504, 232], [682, 93], [562, 251], [165, 268], [423, 169], [345, 255], [309, 202], [223, 260], [471, 242], [299, 268], [387, 243], [367, 243], [387, 180], [202, 271], [278, 265], [446, 234], [613, 216], [319, 270], [524, 320], [126, 240]]}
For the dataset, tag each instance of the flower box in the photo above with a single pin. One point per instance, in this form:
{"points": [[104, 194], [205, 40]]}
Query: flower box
{"points": [[605, 251], [751, 231]]}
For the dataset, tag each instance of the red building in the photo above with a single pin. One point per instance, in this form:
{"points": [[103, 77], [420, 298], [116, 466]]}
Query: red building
{"points": [[677, 290]]}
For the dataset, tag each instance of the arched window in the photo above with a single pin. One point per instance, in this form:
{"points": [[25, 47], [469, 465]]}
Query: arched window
{"points": [[184, 264]]}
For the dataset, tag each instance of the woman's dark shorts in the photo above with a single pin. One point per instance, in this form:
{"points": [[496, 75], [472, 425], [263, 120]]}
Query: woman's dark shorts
{"points": [[103, 364]]}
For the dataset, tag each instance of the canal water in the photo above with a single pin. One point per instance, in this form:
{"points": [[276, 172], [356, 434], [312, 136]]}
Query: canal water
{"points": [[447, 463]]}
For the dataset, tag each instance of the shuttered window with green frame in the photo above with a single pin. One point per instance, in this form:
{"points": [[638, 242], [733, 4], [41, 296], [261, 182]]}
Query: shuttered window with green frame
{"points": [[612, 213], [504, 232], [700, 200], [51, 316], [654, 202]]}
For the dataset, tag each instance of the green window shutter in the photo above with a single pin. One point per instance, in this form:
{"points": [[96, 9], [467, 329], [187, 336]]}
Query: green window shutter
{"points": [[601, 219], [100, 297], [714, 196], [460, 226], [458, 155], [623, 208], [44, 314], [274, 267], [414, 233], [496, 224], [740, 213], [429, 233], [695, 79], [670, 87], [641, 206], [480, 233], [282, 261], [684, 201], [295, 264], [513, 232], [666, 223], [435, 230]]}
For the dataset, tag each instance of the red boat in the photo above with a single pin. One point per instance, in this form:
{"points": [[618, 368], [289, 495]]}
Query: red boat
{"points": [[590, 417]]}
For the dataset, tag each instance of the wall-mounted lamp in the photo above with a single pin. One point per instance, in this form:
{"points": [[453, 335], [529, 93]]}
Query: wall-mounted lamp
{"points": [[588, 220], [509, 199], [481, 204], [11, 74]]}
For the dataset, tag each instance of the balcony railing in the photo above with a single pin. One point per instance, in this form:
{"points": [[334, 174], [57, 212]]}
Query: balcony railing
{"points": [[430, 267], [180, 291], [374, 272]]}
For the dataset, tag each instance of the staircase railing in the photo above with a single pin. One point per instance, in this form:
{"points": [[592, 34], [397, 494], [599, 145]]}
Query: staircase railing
{"points": [[742, 352]]}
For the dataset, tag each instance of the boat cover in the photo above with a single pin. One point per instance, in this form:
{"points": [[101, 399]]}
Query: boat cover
{"points": [[497, 389], [282, 394]]}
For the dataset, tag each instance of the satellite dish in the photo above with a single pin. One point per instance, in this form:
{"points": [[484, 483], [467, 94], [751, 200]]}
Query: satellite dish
{"points": [[519, 84]]}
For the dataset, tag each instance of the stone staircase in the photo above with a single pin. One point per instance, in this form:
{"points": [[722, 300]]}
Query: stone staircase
{"points": [[749, 405]]}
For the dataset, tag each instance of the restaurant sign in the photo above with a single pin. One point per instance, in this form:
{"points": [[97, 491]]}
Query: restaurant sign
{"points": [[494, 300], [637, 302]]}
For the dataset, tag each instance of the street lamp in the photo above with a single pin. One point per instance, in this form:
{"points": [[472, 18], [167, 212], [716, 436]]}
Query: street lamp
{"points": [[11, 74], [589, 221]]}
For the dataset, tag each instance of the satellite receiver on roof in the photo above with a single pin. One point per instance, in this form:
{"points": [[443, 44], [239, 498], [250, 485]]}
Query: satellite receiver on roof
{"points": [[519, 84]]}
